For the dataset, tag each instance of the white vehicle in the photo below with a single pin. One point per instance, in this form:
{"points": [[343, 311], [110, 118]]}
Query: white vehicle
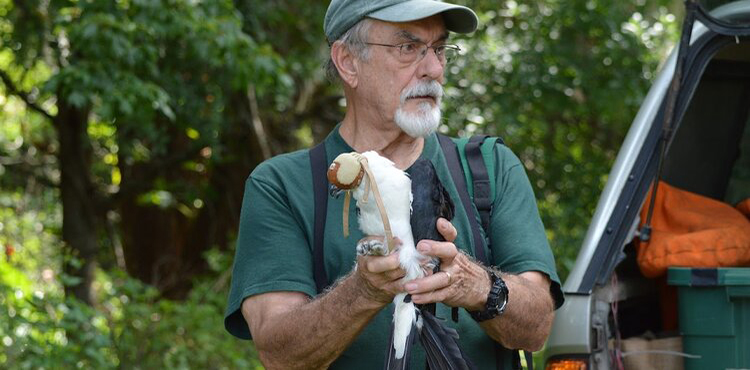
{"points": [[708, 153]]}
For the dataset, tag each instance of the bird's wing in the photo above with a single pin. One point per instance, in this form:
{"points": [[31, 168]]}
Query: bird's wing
{"points": [[441, 344], [430, 201], [446, 207]]}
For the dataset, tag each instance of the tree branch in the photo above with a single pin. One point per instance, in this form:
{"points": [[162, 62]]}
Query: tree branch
{"points": [[257, 124], [12, 89]]}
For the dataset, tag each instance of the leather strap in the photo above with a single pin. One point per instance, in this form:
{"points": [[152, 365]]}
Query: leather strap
{"points": [[372, 184]]}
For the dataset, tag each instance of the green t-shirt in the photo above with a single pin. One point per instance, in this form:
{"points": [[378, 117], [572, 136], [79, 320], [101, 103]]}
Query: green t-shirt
{"points": [[274, 246]]}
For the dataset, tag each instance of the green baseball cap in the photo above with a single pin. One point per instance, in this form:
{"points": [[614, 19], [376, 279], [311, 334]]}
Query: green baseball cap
{"points": [[343, 14]]}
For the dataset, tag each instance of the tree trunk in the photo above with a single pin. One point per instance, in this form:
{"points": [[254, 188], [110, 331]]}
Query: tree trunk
{"points": [[77, 194], [154, 236], [163, 246]]}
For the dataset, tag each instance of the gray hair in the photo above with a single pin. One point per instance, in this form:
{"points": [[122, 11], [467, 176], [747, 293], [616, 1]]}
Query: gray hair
{"points": [[355, 39]]}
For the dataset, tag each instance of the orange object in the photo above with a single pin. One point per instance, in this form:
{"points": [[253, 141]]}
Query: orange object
{"points": [[744, 207], [691, 230], [9, 250], [567, 364]]}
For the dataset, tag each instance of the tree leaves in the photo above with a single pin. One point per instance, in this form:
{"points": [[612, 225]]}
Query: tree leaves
{"points": [[560, 82]]}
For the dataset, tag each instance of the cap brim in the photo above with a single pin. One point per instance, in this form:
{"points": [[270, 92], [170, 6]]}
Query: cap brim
{"points": [[457, 18]]}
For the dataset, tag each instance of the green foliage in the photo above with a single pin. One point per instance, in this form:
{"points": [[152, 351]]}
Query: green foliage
{"points": [[157, 69], [157, 77], [132, 327], [29, 224], [164, 84], [161, 87], [560, 81]]}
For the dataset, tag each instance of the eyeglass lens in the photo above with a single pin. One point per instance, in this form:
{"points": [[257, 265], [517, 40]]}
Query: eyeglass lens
{"points": [[413, 51]]}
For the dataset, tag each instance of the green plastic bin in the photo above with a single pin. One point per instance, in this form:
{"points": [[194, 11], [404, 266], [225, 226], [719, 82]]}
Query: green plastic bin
{"points": [[714, 313]]}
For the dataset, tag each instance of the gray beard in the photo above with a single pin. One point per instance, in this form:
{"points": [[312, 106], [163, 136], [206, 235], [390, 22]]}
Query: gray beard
{"points": [[420, 124]]}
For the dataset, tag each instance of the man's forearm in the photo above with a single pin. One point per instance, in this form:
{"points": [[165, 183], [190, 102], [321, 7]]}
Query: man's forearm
{"points": [[314, 334], [527, 319]]}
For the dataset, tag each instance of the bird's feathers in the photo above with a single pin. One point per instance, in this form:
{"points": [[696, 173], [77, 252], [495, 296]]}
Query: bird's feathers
{"points": [[430, 201], [413, 206], [402, 363], [441, 344], [404, 319], [394, 187]]}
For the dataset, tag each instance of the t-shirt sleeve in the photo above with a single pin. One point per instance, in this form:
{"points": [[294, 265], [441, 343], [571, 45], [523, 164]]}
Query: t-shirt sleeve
{"points": [[518, 239], [273, 253]]}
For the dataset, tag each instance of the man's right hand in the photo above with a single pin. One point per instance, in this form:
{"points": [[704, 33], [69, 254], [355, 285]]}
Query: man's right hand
{"points": [[380, 276], [292, 331]]}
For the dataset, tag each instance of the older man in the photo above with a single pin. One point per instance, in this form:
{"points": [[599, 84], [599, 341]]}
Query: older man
{"points": [[390, 56]]}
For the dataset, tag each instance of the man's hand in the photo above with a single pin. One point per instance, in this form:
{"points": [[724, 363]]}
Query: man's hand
{"points": [[460, 282], [380, 276]]}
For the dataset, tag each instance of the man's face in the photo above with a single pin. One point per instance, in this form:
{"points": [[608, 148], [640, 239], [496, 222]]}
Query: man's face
{"points": [[407, 93]]}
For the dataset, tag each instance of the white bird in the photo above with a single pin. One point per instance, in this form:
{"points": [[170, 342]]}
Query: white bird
{"points": [[379, 188]]}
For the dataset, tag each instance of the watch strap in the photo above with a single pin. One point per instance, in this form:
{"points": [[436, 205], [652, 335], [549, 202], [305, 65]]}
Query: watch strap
{"points": [[497, 299]]}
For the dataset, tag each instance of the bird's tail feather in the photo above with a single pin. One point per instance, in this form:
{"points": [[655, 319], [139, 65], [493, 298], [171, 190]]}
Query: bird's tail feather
{"points": [[404, 317], [441, 345], [402, 363]]}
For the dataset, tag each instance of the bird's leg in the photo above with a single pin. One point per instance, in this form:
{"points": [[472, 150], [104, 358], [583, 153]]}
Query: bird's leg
{"points": [[371, 247]]}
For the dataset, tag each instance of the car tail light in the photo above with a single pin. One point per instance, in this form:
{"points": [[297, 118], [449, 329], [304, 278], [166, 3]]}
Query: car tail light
{"points": [[567, 364]]}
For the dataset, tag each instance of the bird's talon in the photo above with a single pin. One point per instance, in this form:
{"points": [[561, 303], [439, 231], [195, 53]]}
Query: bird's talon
{"points": [[371, 247], [430, 266]]}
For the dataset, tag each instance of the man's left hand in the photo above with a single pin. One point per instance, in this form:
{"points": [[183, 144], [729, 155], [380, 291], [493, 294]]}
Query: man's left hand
{"points": [[460, 282]]}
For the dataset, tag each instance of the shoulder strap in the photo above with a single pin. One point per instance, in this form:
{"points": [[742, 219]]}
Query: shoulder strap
{"points": [[457, 173], [320, 184], [529, 360], [482, 195], [476, 154]]}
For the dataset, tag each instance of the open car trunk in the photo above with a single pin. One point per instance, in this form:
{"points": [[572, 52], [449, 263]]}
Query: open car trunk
{"points": [[610, 303], [709, 155]]}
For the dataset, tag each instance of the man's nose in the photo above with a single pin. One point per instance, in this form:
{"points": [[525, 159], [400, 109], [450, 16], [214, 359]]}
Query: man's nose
{"points": [[430, 66]]}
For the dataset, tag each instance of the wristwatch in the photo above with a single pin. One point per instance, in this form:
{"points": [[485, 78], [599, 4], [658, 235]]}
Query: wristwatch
{"points": [[497, 300]]}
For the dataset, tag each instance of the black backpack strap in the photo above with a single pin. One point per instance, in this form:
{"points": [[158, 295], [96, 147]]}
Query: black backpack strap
{"points": [[457, 173], [529, 360], [482, 196], [319, 166], [483, 202]]}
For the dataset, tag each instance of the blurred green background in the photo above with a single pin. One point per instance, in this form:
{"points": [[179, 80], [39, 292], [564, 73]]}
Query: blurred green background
{"points": [[128, 127]]}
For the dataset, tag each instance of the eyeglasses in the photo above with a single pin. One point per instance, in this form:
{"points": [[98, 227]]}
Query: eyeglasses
{"points": [[414, 51]]}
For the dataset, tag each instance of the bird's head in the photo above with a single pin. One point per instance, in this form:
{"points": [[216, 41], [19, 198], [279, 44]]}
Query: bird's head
{"points": [[345, 173]]}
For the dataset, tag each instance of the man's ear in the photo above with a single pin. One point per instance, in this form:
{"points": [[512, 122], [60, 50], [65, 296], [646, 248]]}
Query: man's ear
{"points": [[346, 63]]}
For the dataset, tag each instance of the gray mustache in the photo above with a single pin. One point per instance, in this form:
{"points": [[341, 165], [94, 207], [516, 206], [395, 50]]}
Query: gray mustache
{"points": [[432, 88]]}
